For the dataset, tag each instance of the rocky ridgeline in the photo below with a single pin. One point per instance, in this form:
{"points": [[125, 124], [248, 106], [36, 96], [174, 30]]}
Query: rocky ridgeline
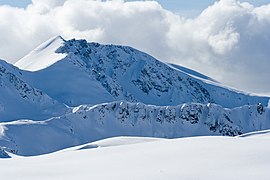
{"points": [[90, 123], [17, 95], [128, 74], [109, 63], [212, 118], [8, 78]]}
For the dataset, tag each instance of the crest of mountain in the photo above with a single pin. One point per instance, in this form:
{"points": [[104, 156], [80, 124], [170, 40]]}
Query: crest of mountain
{"points": [[19, 100], [90, 123], [76, 72]]}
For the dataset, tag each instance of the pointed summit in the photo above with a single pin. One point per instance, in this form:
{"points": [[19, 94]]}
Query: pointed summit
{"points": [[42, 56], [50, 42]]}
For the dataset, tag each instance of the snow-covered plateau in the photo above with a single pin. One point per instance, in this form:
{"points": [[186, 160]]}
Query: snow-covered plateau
{"points": [[72, 101], [204, 158]]}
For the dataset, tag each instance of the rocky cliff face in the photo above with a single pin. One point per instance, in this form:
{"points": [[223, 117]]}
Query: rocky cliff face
{"points": [[128, 74], [91, 123]]}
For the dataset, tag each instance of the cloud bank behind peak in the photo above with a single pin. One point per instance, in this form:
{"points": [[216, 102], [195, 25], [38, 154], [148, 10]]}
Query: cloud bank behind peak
{"points": [[229, 40]]}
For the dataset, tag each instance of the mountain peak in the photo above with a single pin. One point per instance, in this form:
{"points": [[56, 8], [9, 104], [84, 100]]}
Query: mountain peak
{"points": [[106, 73], [43, 56], [50, 42]]}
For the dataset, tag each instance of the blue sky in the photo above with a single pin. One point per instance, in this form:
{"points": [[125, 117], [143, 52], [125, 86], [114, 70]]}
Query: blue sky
{"points": [[17, 3], [182, 7], [196, 6]]}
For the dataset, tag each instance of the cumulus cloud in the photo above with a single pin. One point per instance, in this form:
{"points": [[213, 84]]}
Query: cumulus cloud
{"points": [[229, 40]]}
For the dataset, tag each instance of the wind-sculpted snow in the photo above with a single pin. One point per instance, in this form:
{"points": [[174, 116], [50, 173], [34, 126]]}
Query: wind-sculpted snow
{"points": [[92, 73], [90, 123], [121, 158], [19, 100], [34, 61]]}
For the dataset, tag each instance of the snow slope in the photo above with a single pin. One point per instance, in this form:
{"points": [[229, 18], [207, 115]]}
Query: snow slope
{"points": [[19, 100], [91, 73], [43, 56], [204, 158], [91, 123]]}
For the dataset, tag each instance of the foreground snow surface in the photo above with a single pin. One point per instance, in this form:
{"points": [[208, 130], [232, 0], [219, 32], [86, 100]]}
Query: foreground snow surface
{"points": [[150, 158]]}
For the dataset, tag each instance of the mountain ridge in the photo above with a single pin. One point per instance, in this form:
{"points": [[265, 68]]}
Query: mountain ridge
{"points": [[91, 123], [124, 73], [20, 100]]}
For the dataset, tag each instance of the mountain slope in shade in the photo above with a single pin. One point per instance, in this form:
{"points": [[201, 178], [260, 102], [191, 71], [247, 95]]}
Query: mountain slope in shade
{"points": [[91, 123], [19, 100], [204, 158], [91, 73]]}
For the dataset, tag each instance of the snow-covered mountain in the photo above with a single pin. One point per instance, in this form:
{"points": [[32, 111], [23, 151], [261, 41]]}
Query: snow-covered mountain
{"points": [[67, 93], [76, 72], [91, 123], [19, 100]]}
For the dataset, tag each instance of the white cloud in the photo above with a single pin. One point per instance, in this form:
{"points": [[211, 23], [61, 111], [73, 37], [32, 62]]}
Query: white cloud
{"points": [[229, 40]]}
